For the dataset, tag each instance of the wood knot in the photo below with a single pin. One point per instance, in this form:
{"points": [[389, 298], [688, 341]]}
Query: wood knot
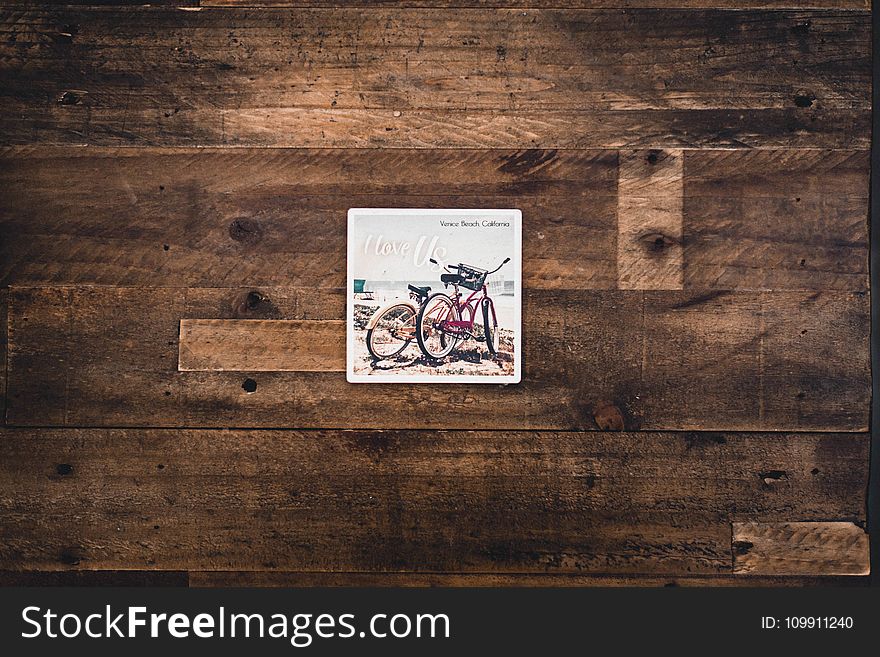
{"points": [[656, 243], [254, 304], [246, 231], [608, 417], [69, 98], [772, 476], [741, 548], [69, 557], [63, 469], [804, 100]]}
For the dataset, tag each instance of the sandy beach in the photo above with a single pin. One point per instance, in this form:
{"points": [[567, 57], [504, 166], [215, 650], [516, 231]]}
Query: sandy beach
{"points": [[468, 358]]}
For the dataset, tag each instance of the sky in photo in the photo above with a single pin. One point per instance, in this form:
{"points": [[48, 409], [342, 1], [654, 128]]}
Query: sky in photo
{"points": [[405, 242]]}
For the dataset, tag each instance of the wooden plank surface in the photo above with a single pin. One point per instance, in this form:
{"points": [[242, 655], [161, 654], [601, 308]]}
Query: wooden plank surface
{"points": [[796, 548], [262, 345], [94, 578], [4, 348], [717, 289], [649, 220], [650, 503], [765, 221], [617, 4], [663, 359], [196, 217], [380, 78], [208, 579], [466, 4]]}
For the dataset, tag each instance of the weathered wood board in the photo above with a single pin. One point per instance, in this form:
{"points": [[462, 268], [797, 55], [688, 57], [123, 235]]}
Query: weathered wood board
{"points": [[694, 182], [197, 217], [410, 501], [380, 77], [262, 345], [92, 356], [792, 548]]}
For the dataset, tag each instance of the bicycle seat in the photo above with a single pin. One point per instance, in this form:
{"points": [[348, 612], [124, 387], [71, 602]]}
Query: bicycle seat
{"points": [[454, 279], [421, 291]]}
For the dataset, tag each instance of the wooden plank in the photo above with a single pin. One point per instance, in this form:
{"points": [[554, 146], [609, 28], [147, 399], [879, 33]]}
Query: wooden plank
{"points": [[466, 4], [796, 548], [373, 78], [650, 194], [4, 304], [735, 236], [277, 217], [662, 359], [265, 579], [262, 345], [94, 578], [366, 501], [618, 4]]}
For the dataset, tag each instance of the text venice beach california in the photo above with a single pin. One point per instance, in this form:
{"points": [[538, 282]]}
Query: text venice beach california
{"points": [[421, 254]]}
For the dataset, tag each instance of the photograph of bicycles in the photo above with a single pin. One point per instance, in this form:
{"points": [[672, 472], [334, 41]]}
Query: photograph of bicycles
{"points": [[416, 317]]}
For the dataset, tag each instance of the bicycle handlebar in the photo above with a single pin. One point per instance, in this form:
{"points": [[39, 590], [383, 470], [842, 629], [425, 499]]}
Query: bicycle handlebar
{"points": [[506, 260], [450, 267]]}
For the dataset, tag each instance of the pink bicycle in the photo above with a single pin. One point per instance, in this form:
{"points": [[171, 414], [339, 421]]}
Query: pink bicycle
{"points": [[441, 323]]}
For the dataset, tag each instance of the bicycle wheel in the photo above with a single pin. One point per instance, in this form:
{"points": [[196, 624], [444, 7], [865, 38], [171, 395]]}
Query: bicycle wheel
{"points": [[490, 328], [434, 341], [392, 332]]}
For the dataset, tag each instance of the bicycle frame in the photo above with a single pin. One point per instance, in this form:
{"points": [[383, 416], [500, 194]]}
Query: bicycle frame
{"points": [[462, 328]]}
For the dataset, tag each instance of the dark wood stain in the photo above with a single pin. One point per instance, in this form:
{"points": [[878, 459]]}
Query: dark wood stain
{"points": [[693, 176]]}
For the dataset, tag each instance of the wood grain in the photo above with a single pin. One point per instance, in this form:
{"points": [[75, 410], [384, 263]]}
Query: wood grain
{"points": [[225, 144], [735, 233], [207, 217], [616, 4], [4, 348], [665, 359], [649, 220], [484, 78], [363, 501], [466, 4], [262, 345], [94, 578], [209, 579], [796, 548]]}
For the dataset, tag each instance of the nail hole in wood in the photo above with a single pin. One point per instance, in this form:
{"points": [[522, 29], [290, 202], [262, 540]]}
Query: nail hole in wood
{"points": [[63, 468], [69, 98], [249, 386], [69, 558]]}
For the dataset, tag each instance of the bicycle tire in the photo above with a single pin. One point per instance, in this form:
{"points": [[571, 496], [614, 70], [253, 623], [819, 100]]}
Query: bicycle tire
{"points": [[374, 352], [490, 329], [448, 343]]}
